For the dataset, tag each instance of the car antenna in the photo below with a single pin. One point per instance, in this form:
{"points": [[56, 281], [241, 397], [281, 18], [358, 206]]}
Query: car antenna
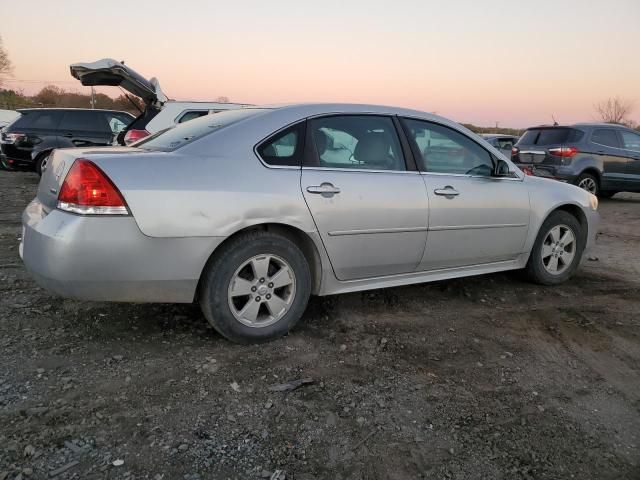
{"points": [[555, 123]]}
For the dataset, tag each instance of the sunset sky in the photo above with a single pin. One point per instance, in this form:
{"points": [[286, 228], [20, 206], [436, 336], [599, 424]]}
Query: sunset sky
{"points": [[516, 63]]}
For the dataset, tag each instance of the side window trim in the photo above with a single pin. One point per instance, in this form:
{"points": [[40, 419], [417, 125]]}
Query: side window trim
{"points": [[417, 154], [311, 159]]}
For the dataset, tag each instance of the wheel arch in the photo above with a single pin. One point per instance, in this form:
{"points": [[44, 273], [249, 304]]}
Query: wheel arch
{"points": [[302, 239], [592, 171], [577, 212]]}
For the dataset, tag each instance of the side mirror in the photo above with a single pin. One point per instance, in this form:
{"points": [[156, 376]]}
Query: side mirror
{"points": [[502, 169]]}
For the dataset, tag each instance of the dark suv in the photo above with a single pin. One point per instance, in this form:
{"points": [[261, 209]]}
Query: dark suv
{"points": [[28, 141], [601, 158]]}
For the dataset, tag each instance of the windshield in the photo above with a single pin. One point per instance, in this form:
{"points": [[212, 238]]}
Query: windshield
{"points": [[184, 133]]}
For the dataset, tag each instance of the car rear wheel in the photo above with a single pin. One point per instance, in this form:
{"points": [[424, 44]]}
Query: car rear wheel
{"points": [[557, 251], [588, 182], [41, 162], [256, 287]]}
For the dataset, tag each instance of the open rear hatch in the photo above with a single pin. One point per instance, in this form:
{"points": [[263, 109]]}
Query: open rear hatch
{"points": [[109, 72]]}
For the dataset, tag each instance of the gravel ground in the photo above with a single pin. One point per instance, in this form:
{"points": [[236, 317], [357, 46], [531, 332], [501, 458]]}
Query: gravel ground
{"points": [[486, 377]]}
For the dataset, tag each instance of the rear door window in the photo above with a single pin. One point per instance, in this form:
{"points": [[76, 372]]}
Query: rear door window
{"points": [[606, 136], [84, 121], [368, 142]]}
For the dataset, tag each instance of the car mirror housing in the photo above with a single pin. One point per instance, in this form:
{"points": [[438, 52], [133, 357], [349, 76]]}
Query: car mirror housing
{"points": [[502, 169]]}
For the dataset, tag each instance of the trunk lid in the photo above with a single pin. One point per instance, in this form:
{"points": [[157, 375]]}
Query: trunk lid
{"points": [[109, 72]]}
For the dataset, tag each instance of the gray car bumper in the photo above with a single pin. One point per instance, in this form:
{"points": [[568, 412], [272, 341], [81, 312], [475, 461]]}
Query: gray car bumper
{"points": [[593, 221], [109, 259]]}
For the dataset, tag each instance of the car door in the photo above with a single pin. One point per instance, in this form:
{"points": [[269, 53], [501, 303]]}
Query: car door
{"points": [[631, 145], [607, 148], [84, 128], [474, 217], [371, 211]]}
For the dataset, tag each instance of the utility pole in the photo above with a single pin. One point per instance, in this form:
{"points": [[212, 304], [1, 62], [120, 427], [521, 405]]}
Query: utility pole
{"points": [[93, 98]]}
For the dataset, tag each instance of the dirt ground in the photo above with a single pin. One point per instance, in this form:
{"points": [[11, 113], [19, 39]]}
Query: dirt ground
{"points": [[486, 377]]}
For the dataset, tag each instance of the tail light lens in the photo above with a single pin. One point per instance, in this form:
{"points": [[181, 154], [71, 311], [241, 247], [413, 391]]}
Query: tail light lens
{"points": [[88, 191], [564, 152], [10, 138], [514, 151], [134, 135]]}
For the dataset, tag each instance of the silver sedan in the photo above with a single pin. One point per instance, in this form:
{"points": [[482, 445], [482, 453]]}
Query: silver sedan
{"points": [[251, 211]]}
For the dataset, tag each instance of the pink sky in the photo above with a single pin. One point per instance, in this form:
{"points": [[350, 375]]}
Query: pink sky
{"points": [[478, 62]]}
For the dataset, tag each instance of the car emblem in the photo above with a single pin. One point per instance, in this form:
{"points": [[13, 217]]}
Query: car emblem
{"points": [[58, 171]]}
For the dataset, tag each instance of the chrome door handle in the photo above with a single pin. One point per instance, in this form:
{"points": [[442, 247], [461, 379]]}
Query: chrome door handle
{"points": [[324, 189], [447, 191]]}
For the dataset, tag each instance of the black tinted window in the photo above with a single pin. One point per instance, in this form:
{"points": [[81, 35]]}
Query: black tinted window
{"points": [[38, 119], [84, 120], [357, 141], [606, 136], [444, 150], [285, 148], [550, 136]]}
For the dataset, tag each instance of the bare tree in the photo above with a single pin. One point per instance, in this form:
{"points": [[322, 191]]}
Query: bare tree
{"points": [[5, 63], [222, 99], [615, 110]]}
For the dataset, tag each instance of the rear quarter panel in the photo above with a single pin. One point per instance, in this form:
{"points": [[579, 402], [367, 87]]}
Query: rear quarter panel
{"points": [[186, 195]]}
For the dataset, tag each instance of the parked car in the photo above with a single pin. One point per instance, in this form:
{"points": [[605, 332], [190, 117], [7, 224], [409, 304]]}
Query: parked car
{"points": [[250, 211], [159, 113], [502, 142], [602, 158], [28, 141]]}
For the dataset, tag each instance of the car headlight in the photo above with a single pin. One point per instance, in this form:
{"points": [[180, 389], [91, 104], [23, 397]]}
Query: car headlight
{"points": [[593, 201]]}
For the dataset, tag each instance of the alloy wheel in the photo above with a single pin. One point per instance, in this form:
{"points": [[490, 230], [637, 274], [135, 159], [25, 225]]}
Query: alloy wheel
{"points": [[262, 291], [558, 249], [588, 184]]}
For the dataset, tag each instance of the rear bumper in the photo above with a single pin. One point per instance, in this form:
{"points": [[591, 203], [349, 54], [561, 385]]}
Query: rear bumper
{"points": [[563, 174], [109, 259]]}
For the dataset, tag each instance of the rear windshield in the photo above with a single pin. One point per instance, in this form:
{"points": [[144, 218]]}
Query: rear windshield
{"points": [[550, 136], [187, 132]]}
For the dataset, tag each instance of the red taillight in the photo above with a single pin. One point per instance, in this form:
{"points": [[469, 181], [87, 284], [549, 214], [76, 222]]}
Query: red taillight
{"points": [[565, 152], [134, 135], [87, 190], [514, 151], [528, 171]]}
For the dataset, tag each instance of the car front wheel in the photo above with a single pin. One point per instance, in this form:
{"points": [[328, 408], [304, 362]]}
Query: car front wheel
{"points": [[557, 251], [256, 287]]}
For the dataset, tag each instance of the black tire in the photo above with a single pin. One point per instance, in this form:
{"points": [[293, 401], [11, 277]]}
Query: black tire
{"points": [[588, 179], [39, 161], [535, 269], [220, 271]]}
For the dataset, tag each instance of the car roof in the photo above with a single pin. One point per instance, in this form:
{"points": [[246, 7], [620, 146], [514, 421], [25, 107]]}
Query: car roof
{"points": [[583, 124], [63, 109], [314, 109]]}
